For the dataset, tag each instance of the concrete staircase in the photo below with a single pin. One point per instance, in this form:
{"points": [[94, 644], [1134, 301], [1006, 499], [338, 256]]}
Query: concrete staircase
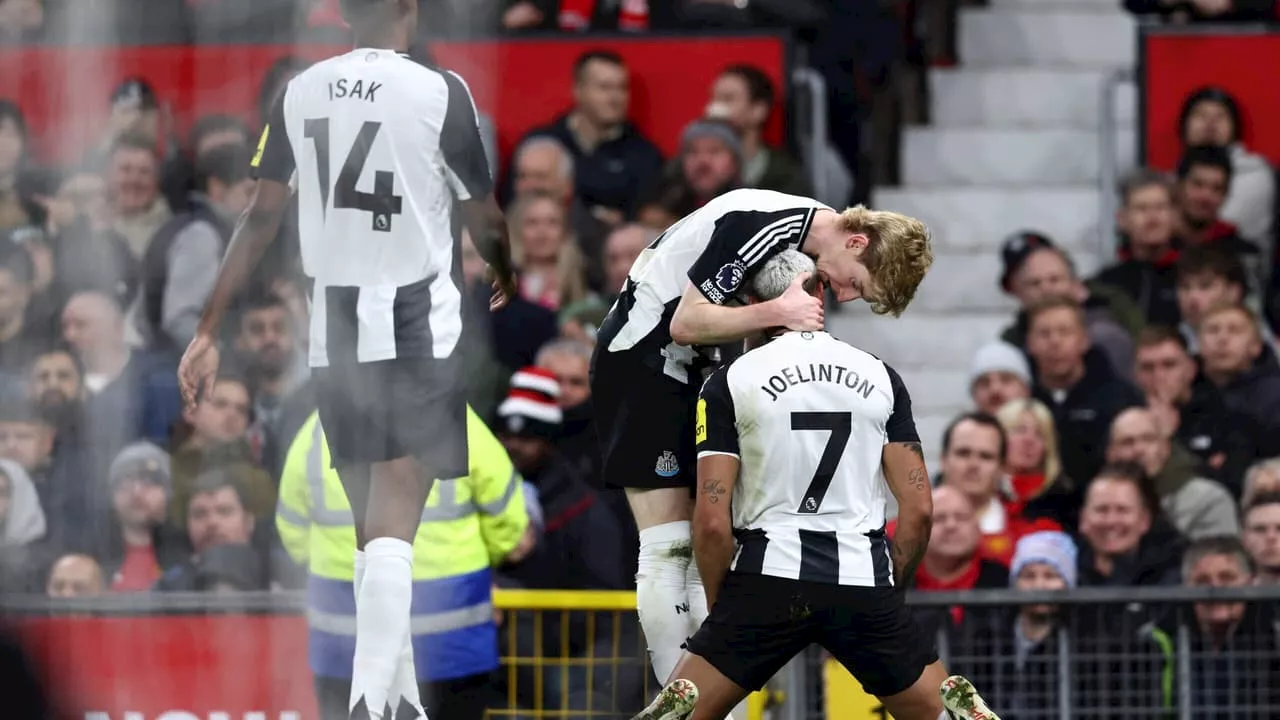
{"points": [[1014, 144]]}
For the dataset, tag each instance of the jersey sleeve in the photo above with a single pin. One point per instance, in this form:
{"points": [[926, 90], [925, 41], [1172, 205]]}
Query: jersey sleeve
{"points": [[901, 425], [741, 243], [273, 159], [716, 424], [461, 145]]}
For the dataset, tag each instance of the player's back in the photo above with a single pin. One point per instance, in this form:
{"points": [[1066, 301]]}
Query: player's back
{"points": [[371, 136], [811, 413]]}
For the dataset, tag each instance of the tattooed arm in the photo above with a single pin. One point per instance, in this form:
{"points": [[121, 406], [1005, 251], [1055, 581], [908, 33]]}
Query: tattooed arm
{"points": [[713, 544], [908, 480]]}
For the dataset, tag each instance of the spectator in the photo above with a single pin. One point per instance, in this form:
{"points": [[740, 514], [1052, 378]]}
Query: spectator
{"points": [[1148, 248], [1261, 536], [1195, 506], [1204, 176], [710, 162], [613, 162], [87, 252], [552, 272], [216, 131], [26, 437], [1209, 275], [1015, 655], [529, 424], [1078, 385], [67, 482], [1035, 268], [138, 209], [1211, 116], [622, 248], [1039, 488], [1242, 368], [74, 576], [22, 520], [662, 205], [132, 394], [140, 542], [1223, 440], [973, 451], [744, 96], [543, 165], [19, 343], [1225, 632], [271, 354], [218, 424], [181, 262], [998, 374], [219, 529], [16, 209], [953, 561], [1126, 542], [1262, 478]]}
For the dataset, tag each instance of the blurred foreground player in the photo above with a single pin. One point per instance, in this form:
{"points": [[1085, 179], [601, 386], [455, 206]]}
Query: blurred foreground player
{"points": [[658, 339], [379, 147], [797, 440]]}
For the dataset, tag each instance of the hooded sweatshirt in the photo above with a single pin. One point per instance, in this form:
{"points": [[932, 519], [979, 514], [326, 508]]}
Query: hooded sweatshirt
{"points": [[25, 522], [1195, 506]]}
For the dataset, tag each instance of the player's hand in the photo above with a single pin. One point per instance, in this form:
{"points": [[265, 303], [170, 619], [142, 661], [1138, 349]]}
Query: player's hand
{"points": [[504, 288], [797, 308], [198, 368]]}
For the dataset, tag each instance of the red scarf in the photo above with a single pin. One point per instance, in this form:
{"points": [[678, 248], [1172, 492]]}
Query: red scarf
{"points": [[964, 581], [575, 15]]}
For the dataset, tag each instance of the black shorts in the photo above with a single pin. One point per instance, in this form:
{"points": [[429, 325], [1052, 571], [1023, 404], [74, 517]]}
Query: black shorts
{"points": [[407, 407], [760, 622], [644, 421]]}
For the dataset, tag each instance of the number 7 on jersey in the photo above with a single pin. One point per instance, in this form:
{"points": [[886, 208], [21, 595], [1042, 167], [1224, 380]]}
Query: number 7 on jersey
{"points": [[840, 425]]}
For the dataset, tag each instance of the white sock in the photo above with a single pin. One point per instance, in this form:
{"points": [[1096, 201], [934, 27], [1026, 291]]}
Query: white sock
{"points": [[406, 682], [382, 621], [662, 599]]}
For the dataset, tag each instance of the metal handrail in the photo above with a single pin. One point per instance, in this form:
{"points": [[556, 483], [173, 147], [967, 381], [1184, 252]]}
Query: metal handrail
{"points": [[295, 602], [1108, 162], [817, 90]]}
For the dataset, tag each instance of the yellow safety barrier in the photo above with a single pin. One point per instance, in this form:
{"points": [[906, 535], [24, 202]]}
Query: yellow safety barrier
{"points": [[570, 654], [845, 698]]}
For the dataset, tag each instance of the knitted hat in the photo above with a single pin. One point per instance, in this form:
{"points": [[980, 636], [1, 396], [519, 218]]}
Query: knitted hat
{"points": [[999, 356], [142, 460], [532, 407], [1053, 548], [713, 128], [1015, 250]]}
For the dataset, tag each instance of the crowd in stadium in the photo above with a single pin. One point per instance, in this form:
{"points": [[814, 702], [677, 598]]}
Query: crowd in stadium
{"points": [[1125, 429]]}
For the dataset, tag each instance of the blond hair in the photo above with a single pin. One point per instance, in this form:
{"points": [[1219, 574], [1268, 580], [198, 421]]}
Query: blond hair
{"points": [[1011, 412], [897, 255], [571, 273]]}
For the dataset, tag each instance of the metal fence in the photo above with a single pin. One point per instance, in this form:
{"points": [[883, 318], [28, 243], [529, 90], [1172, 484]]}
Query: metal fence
{"points": [[1096, 653]]}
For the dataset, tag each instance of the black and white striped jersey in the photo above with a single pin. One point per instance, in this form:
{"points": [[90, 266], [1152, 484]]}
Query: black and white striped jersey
{"points": [[808, 416], [379, 146], [718, 248]]}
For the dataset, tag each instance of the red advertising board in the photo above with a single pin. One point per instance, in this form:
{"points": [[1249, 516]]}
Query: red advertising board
{"points": [[521, 84], [1174, 63], [175, 667]]}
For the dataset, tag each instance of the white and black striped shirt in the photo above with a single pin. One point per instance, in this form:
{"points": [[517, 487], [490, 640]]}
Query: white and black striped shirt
{"points": [[381, 146], [808, 416], [718, 248]]}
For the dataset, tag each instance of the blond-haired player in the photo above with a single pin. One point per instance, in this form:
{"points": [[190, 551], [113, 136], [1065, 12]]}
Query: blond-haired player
{"points": [[681, 300]]}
